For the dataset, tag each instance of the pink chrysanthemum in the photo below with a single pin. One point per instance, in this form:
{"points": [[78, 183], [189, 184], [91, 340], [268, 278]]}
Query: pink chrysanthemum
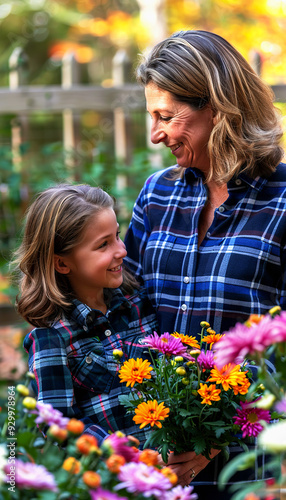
{"points": [[120, 445], [242, 340], [32, 476], [141, 478], [167, 344], [281, 406], [249, 418], [49, 415], [180, 493], [101, 494], [206, 360]]}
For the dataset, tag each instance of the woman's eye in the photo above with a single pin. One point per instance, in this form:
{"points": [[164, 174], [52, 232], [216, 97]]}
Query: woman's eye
{"points": [[165, 118]]}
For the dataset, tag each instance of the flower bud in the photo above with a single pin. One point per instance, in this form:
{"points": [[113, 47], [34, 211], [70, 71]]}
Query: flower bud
{"points": [[57, 433], [29, 403], [91, 479], [185, 381], [22, 389], [181, 371], [169, 474], [75, 426], [179, 359], [117, 353], [204, 324], [87, 444], [114, 463], [71, 465]]}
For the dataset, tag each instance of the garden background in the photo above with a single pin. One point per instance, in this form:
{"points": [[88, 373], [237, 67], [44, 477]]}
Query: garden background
{"points": [[71, 110]]}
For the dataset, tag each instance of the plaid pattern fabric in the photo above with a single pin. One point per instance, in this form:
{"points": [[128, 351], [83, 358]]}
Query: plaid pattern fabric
{"points": [[74, 366], [238, 268]]}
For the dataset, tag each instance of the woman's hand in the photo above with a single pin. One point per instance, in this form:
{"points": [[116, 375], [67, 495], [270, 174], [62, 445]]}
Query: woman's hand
{"points": [[187, 465]]}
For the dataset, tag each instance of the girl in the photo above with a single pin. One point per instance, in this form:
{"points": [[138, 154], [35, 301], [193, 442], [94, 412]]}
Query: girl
{"points": [[72, 290]]}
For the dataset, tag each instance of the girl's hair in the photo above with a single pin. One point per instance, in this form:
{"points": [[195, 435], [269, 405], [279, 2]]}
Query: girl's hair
{"points": [[201, 68], [54, 225]]}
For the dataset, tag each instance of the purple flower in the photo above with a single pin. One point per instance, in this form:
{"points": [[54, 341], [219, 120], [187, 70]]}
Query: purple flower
{"points": [[206, 360], [50, 416], [249, 417], [180, 493], [281, 406], [32, 476], [121, 445], [167, 344], [101, 494], [141, 478]]}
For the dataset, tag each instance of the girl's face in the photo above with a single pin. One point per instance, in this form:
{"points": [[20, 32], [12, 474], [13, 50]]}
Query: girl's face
{"points": [[182, 129], [96, 262]]}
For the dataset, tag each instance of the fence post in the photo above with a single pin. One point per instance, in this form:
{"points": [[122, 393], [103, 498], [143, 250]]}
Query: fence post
{"points": [[71, 119], [18, 76], [121, 70]]}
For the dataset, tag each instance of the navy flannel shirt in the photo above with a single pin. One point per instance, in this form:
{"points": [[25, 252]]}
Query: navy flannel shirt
{"points": [[239, 267], [74, 365]]}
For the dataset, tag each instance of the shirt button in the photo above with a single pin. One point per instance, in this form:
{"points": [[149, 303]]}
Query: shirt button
{"points": [[107, 333], [85, 328], [208, 234], [186, 279], [221, 209], [88, 360], [238, 182], [184, 307]]}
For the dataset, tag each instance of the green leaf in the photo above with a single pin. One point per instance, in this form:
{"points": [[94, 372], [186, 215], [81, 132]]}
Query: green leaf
{"points": [[199, 444], [241, 460]]}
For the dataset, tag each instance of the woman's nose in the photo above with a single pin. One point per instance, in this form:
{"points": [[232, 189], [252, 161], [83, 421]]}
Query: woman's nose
{"points": [[157, 133]]}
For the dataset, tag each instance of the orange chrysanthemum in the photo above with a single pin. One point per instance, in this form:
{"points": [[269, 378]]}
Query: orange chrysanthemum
{"points": [[229, 376], [134, 371], [115, 462], [209, 393], [149, 457], [212, 337], [150, 413], [91, 479], [169, 474], [243, 387], [186, 339]]}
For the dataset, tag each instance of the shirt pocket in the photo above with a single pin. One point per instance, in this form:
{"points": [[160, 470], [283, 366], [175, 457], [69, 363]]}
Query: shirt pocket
{"points": [[159, 262], [89, 369]]}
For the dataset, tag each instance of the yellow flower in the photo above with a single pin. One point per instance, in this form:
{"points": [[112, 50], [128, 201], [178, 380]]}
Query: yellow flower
{"points": [[134, 371], [186, 339], [72, 465], [169, 474], [209, 393], [181, 371], [150, 413], [229, 376]]}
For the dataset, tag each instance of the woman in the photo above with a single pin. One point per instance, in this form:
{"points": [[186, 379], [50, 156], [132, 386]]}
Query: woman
{"points": [[208, 235]]}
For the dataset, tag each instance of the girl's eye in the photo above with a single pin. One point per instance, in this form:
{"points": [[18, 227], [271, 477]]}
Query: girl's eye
{"points": [[103, 245], [117, 234]]}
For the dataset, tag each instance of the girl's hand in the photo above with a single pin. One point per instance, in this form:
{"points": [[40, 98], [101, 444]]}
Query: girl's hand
{"points": [[187, 465]]}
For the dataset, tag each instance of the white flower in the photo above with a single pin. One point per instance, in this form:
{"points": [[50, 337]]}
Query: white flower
{"points": [[273, 437]]}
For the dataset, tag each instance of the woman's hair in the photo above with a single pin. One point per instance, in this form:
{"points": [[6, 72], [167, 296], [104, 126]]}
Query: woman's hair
{"points": [[55, 222], [201, 68]]}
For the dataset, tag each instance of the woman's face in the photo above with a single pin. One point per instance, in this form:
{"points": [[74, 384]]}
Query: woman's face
{"points": [[184, 130]]}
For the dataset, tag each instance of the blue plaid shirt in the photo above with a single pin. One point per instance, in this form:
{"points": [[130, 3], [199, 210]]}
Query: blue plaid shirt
{"points": [[74, 365], [239, 267]]}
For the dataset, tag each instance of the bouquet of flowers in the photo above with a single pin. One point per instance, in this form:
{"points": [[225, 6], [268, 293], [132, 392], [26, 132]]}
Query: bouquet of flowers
{"points": [[45, 456], [189, 402], [264, 342]]}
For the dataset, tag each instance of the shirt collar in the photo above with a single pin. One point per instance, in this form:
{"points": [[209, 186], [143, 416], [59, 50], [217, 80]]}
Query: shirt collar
{"points": [[85, 315], [192, 174]]}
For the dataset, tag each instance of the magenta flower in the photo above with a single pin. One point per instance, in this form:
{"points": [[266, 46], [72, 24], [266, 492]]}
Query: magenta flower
{"points": [[49, 415], [248, 418], [180, 493], [141, 478], [281, 406], [167, 344], [32, 476], [206, 360], [101, 494], [120, 445]]}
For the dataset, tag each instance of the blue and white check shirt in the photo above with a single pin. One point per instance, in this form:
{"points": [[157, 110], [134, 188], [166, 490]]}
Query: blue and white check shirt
{"points": [[238, 269], [74, 366]]}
